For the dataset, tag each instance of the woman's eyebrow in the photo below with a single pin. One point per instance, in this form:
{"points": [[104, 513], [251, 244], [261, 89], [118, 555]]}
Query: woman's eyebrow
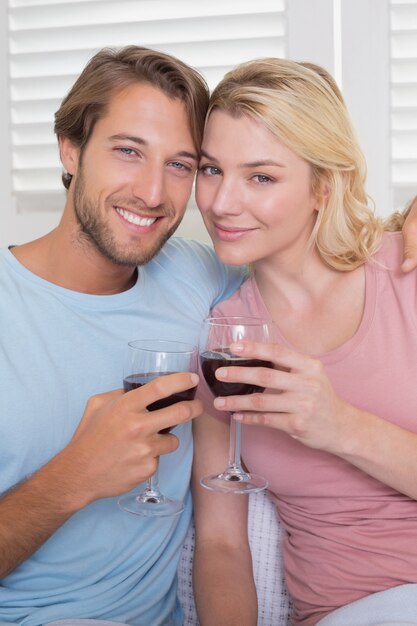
{"points": [[208, 156], [257, 163], [262, 162]]}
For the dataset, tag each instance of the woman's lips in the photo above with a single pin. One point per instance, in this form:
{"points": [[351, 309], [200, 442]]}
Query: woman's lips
{"points": [[231, 234]]}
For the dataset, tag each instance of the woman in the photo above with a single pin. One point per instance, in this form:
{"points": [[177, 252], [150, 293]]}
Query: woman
{"points": [[281, 187]]}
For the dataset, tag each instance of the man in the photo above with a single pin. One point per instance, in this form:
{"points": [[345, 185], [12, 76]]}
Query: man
{"points": [[129, 133]]}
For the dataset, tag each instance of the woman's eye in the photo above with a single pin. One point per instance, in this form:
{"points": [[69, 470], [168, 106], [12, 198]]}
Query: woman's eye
{"points": [[209, 170], [261, 178]]}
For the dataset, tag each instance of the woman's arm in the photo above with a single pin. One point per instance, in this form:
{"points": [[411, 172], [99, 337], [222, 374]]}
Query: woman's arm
{"points": [[309, 410], [223, 578]]}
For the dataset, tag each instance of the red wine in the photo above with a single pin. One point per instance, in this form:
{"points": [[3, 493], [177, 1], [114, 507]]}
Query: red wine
{"points": [[212, 359], [138, 380]]}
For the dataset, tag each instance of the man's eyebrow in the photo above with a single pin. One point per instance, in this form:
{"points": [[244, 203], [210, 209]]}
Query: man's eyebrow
{"points": [[132, 138], [258, 163], [142, 142], [187, 155]]}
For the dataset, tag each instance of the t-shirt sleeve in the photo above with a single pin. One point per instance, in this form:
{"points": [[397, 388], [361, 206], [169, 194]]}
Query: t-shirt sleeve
{"points": [[213, 279]]}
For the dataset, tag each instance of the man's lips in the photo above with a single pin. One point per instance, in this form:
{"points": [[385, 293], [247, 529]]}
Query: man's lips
{"points": [[227, 233], [133, 218]]}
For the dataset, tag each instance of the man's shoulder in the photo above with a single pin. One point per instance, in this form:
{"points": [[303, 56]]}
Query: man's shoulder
{"points": [[195, 263], [7, 262], [187, 258], [179, 247]]}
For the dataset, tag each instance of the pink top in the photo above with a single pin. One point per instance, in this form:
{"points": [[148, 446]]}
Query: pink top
{"points": [[348, 535]]}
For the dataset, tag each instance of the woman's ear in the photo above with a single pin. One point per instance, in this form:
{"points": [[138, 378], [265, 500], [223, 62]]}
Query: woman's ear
{"points": [[69, 154], [323, 193]]}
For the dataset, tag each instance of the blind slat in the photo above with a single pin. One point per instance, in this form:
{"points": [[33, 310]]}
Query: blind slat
{"points": [[93, 13], [404, 96], [197, 54], [404, 45], [149, 34], [403, 99]]}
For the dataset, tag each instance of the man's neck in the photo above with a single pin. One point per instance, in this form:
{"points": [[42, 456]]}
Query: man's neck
{"points": [[64, 261]]}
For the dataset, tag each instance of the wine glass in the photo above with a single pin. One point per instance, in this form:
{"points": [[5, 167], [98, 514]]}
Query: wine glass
{"points": [[144, 361], [218, 333]]}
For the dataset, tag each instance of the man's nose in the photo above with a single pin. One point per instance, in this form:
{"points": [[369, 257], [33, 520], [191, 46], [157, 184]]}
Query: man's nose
{"points": [[149, 185]]}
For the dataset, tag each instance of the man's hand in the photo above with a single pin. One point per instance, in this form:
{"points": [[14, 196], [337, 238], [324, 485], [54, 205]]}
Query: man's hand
{"points": [[117, 443], [115, 447], [410, 237]]}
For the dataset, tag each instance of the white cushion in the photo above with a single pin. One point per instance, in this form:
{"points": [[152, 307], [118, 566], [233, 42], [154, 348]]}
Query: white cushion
{"points": [[265, 535]]}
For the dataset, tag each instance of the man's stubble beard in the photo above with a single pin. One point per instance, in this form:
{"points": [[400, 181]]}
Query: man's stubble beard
{"points": [[94, 232]]}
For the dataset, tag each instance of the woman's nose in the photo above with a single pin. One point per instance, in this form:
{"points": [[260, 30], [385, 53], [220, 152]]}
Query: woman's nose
{"points": [[226, 200]]}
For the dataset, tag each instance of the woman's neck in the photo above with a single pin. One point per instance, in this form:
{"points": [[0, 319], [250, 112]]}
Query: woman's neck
{"points": [[316, 307]]}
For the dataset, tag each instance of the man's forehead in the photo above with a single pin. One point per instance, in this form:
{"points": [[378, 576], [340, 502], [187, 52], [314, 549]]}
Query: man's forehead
{"points": [[144, 97], [149, 117]]}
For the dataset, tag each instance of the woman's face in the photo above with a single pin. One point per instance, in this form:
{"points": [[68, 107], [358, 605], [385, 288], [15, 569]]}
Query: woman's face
{"points": [[253, 192]]}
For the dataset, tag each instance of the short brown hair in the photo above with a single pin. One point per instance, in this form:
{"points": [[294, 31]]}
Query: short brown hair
{"points": [[111, 71]]}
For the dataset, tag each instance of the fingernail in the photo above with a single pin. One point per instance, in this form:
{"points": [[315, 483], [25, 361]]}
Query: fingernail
{"points": [[236, 347], [238, 417], [219, 403], [221, 372], [194, 379], [407, 264]]}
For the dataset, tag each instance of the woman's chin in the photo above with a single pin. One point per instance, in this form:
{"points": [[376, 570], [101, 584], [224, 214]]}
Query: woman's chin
{"points": [[230, 257]]}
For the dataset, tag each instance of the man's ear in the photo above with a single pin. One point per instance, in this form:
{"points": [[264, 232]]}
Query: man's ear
{"points": [[69, 154]]}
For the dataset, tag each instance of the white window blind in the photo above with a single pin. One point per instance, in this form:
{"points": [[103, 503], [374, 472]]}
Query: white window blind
{"points": [[404, 100], [51, 40]]}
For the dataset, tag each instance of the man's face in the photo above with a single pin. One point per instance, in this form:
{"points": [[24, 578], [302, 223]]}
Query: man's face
{"points": [[132, 181]]}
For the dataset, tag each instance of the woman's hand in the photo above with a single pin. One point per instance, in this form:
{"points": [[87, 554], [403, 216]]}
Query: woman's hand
{"points": [[299, 400]]}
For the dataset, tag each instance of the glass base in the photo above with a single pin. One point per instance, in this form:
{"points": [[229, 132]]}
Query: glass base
{"points": [[150, 505], [234, 481]]}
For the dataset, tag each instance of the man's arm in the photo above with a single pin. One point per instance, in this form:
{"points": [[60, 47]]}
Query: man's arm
{"points": [[115, 447], [410, 237], [224, 587], [409, 229]]}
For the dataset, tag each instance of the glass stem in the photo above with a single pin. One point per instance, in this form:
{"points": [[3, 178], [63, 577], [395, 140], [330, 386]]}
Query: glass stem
{"points": [[152, 485], [234, 446]]}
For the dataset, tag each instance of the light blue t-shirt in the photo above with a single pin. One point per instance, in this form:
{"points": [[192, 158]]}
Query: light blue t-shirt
{"points": [[58, 348]]}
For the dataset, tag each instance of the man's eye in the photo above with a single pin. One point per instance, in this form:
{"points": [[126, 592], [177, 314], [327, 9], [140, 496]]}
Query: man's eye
{"points": [[178, 166], [127, 151]]}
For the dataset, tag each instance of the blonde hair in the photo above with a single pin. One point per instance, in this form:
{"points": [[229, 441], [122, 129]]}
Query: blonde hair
{"points": [[302, 106]]}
